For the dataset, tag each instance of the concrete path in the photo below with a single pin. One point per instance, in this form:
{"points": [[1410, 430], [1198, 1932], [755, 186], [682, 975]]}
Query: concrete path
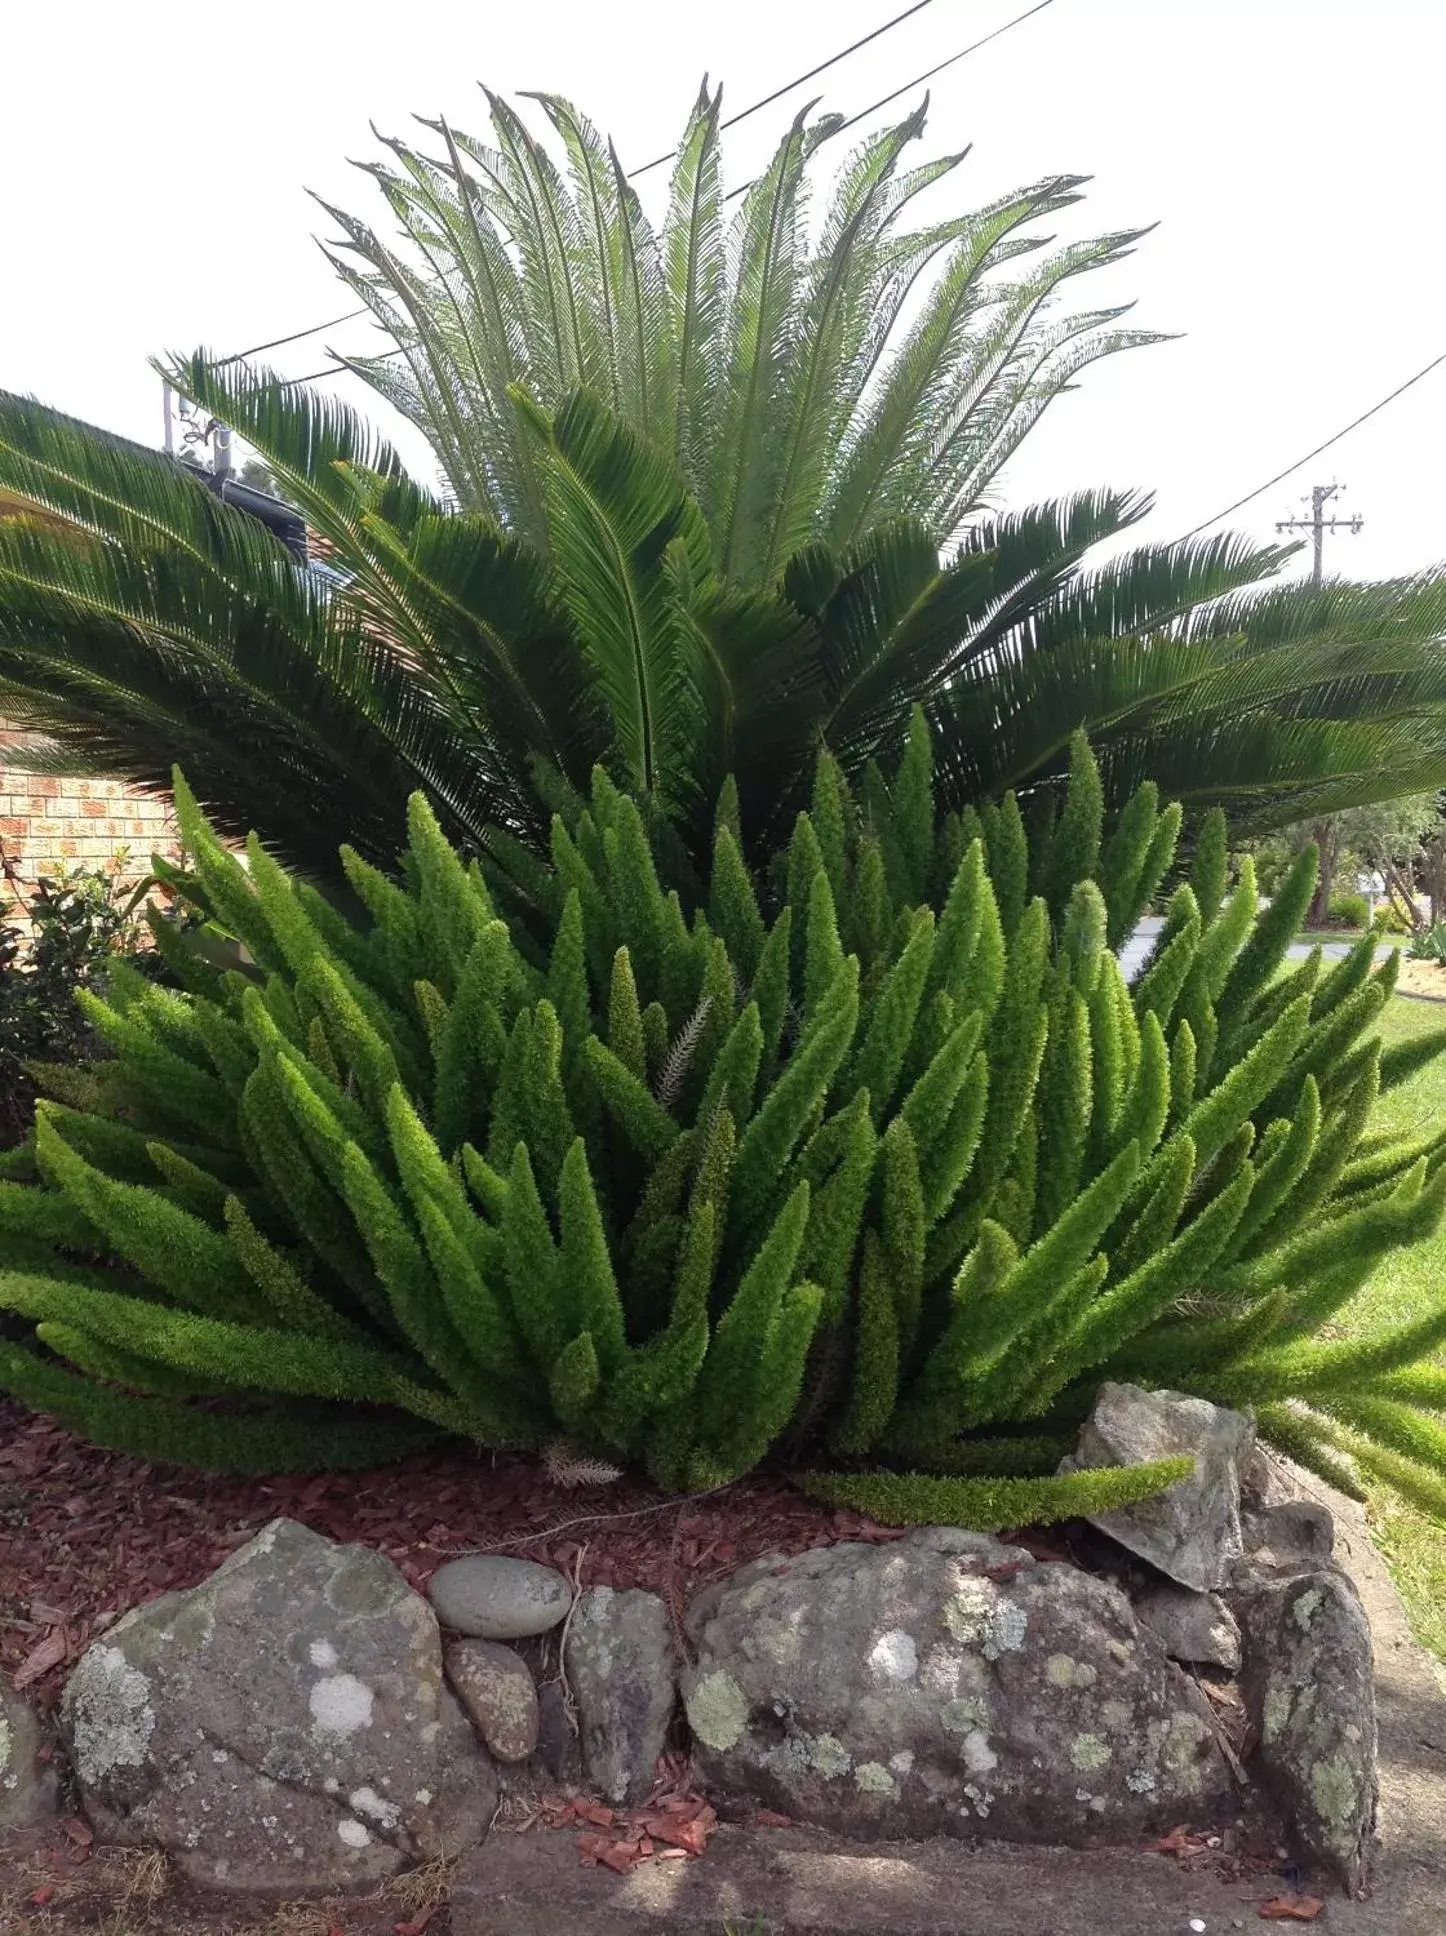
{"points": [[1134, 951], [798, 1882]]}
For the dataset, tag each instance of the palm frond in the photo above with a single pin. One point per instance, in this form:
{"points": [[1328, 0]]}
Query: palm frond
{"points": [[766, 243], [695, 276], [780, 376], [626, 540]]}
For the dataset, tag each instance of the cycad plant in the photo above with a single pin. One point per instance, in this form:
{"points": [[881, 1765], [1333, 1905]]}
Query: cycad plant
{"points": [[142, 620], [803, 385], [876, 1161]]}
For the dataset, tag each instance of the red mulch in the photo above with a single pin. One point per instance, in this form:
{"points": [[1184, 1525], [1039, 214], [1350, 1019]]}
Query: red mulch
{"points": [[86, 1534], [673, 1824]]}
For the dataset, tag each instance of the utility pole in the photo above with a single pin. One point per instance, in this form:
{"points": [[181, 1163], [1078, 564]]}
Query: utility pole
{"points": [[1318, 524]]}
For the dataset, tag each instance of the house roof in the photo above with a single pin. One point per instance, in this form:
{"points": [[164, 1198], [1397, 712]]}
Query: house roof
{"points": [[284, 520]]}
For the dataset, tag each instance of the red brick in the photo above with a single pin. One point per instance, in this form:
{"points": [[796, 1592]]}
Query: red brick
{"points": [[93, 809]]}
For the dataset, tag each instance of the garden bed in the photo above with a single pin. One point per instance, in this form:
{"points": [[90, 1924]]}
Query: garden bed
{"points": [[86, 1534], [1426, 980]]}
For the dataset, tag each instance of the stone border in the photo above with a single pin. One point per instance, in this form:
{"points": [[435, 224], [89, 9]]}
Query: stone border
{"points": [[798, 1882]]}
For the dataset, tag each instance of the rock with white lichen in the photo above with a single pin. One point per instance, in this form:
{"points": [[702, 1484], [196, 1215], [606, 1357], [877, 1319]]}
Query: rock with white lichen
{"points": [[1309, 1679], [283, 1728], [622, 1670], [945, 1684], [27, 1784], [1191, 1531]]}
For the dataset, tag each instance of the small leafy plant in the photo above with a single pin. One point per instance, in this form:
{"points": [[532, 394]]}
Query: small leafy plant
{"points": [[58, 938], [1429, 944], [874, 1159]]}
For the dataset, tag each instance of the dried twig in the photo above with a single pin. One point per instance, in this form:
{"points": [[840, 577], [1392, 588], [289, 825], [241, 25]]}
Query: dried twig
{"points": [[675, 1066], [1237, 1766], [586, 1519], [575, 1580]]}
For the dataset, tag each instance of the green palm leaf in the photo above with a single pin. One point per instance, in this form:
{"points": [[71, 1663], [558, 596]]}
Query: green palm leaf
{"points": [[626, 538]]}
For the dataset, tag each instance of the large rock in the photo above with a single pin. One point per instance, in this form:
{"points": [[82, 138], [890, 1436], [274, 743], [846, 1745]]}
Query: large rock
{"points": [[622, 1668], [496, 1687], [1295, 1533], [1309, 1680], [1191, 1532], [281, 1729], [946, 1684], [1197, 1627], [495, 1598], [28, 1787]]}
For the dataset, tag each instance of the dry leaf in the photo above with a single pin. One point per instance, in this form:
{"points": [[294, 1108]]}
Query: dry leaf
{"points": [[1178, 1842], [692, 1837], [1291, 1909], [770, 1818], [49, 1653], [44, 1894]]}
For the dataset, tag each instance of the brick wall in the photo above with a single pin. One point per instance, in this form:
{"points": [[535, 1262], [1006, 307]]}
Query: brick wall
{"points": [[50, 824]]}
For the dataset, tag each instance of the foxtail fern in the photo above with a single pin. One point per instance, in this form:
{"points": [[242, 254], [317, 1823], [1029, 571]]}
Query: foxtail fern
{"points": [[875, 1154]]}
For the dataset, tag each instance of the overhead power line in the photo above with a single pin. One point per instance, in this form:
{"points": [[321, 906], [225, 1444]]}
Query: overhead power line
{"points": [[332, 369], [732, 121], [240, 356], [742, 115], [1301, 462], [778, 93], [919, 79], [929, 72]]}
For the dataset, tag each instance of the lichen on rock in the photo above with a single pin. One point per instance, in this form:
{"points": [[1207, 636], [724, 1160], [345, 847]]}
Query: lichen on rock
{"points": [[717, 1710], [1309, 1674], [939, 1682], [28, 1786], [282, 1728]]}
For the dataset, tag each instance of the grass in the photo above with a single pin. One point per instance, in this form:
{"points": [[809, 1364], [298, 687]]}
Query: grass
{"points": [[1406, 1286]]}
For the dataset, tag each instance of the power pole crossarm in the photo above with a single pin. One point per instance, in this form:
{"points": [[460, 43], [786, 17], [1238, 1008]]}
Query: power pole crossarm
{"points": [[1318, 524]]}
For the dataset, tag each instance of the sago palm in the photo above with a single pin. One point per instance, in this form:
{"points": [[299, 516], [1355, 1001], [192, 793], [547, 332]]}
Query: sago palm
{"points": [[805, 380], [141, 619]]}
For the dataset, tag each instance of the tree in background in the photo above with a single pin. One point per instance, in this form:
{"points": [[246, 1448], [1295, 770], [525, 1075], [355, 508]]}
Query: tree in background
{"points": [[260, 477], [1397, 839]]}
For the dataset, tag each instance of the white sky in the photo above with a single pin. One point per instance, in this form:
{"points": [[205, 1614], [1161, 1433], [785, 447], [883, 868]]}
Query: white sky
{"points": [[156, 153]]}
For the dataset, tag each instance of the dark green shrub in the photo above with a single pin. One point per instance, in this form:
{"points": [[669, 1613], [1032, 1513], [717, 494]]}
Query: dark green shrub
{"points": [[1350, 910], [883, 1164]]}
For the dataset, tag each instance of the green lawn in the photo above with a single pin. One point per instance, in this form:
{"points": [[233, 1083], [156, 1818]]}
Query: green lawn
{"points": [[1406, 1286]]}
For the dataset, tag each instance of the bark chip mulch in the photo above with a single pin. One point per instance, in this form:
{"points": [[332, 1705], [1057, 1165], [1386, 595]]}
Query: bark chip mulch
{"points": [[85, 1535]]}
